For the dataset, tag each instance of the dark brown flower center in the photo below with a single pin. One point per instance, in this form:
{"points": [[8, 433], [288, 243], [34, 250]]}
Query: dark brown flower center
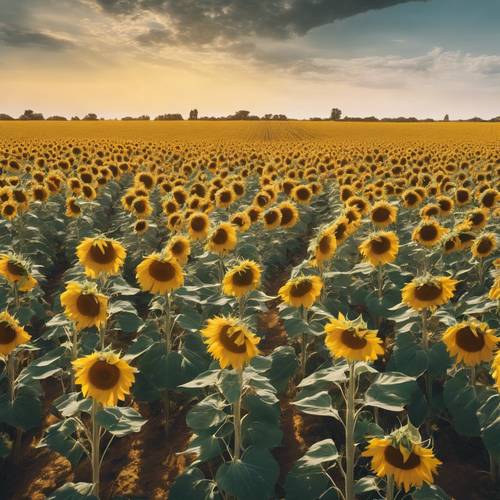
{"points": [[146, 180], [262, 200], [340, 230], [220, 236], [488, 199], [432, 211], [444, 205], [428, 292], [450, 244], [178, 248], [325, 244], [286, 215], [381, 214], [411, 198], [466, 237], [468, 341], [161, 271], [104, 256], [301, 288], [103, 375], [238, 221], [140, 226], [380, 245], [485, 246], [477, 218], [271, 217], [395, 458], [140, 206], [228, 341], [303, 193], [198, 223], [16, 269], [225, 197], [243, 277], [462, 196], [351, 340], [7, 333], [428, 232], [88, 305]]}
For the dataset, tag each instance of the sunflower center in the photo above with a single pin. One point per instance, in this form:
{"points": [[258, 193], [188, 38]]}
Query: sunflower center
{"points": [[286, 215], [411, 198], [198, 224], [340, 230], [16, 269], [104, 375], [228, 339], [104, 256], [380, 245], [7, 333], [220, 237], [302, 194], [88, 305], [270, 217], [301, 288], [488, 199], [178, 248], [450, 244], [469, 341], [140, 226], [466, 237], [243, 277], [324, 244], [477, 219], [161, 271], [428, 232], [396, 459], [462, 196], [444, 205], [9, 209], [140, 206], [485, 245], [351, 340], [381, 214], [428, 291], [238, 220], [225, 197]]}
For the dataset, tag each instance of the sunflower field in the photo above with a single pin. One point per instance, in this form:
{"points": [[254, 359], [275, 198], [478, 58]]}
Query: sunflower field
{"points": [[249, 311]]}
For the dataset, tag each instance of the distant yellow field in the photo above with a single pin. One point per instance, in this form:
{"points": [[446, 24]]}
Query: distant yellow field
{"points": [[294, 131]]}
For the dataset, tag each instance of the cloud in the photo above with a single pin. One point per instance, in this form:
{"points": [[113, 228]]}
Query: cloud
{"points": [[17, 36], [205, 22]]}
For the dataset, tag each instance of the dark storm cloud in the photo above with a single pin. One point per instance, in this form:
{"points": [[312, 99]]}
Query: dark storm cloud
{"points": [[17, 36], [196, 21]]}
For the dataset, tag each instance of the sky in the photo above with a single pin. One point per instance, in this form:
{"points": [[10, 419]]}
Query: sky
{"points": [[422, 58]]}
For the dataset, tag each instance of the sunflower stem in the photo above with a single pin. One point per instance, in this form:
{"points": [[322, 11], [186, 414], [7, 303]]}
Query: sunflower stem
{"points": [[480, 272], [168, 346], [74, 354], [303, 348], [237, 419], [349, 433], [95, 450], [11, 374], [389, 488], [425, 346]]}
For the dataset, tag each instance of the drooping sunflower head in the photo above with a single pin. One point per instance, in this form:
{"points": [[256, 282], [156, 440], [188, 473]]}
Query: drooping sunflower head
{"points": [[242, 279], [84, 305], [101, 255], [289, 214], [180, 248], [17, 271], [73, 208], [241, 220], [323, 247], [446, 205], [12, 334], [411, 198], [230, 342], [341, 229], [383, 214], [380, 248], [430, 210], [352, 340], [402, 456], [302, 291], [271, 218], [484, 245], [428, 291], [360, 203], [450, 243], [489, 198], [428, 233], [104, 376], [159, 273], [222, 239], [470, 342]]}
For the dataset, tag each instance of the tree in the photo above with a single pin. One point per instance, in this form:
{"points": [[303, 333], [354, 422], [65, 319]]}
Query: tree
{"points": [[241, 115], [56, 118], [446, 118], [193, 114], [169, 116], [4, 116], [90, 117], [29, 114], [335, 114]]}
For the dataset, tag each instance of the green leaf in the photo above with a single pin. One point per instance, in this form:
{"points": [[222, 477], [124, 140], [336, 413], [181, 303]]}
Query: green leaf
{"points": [[205, 379], [391, 391], [192, 485], [366, 429], [204, 447], [460, 399], [336, 373], [408, 357], [489, 419], [120, 421], [60, 438], [251, 478], [260, 432], [229, 385], [207, 413], [318, 404], [430, 492], [320, 453], [74, 491], [439, 360], [26, 411], [306, 482], [283, 367], [365, 485]]}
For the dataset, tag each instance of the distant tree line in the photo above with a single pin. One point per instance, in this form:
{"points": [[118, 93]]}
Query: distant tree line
{"points": [[335, 115]]}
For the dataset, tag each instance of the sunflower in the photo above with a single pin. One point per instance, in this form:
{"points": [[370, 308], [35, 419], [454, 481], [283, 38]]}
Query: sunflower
{"points": [[477, 218], [462, 196], [470, 342], [159, 274], [411, 198], [84, 305], [289, 214], [341, 229], [242, 279], [323, 247], [301, 291], [12, 334], [451, 243], [9, 210], [495, 370], [222, 239], [140, 226], [428, 291], [430, 210], [16, 271], [494, 293], [380, 248], [484, 245], [302, 194], [408, 462], [428, 233], [241, 220], [352, 340], [383, 214], [100, 255], [141, 207], [445, 205], [230, 342], [271, 218], [180, 248], [104, 376], [489, 198], [73, 209], [198, 225]]}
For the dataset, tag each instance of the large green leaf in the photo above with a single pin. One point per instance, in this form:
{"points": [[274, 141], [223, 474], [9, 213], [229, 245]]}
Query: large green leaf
{"points": [[74, 491], [391, 391], [408, 357], [61, 438], [25, 412], [207, 413], [489, 419], [318, 404], [192, 485], [120, 421]]}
